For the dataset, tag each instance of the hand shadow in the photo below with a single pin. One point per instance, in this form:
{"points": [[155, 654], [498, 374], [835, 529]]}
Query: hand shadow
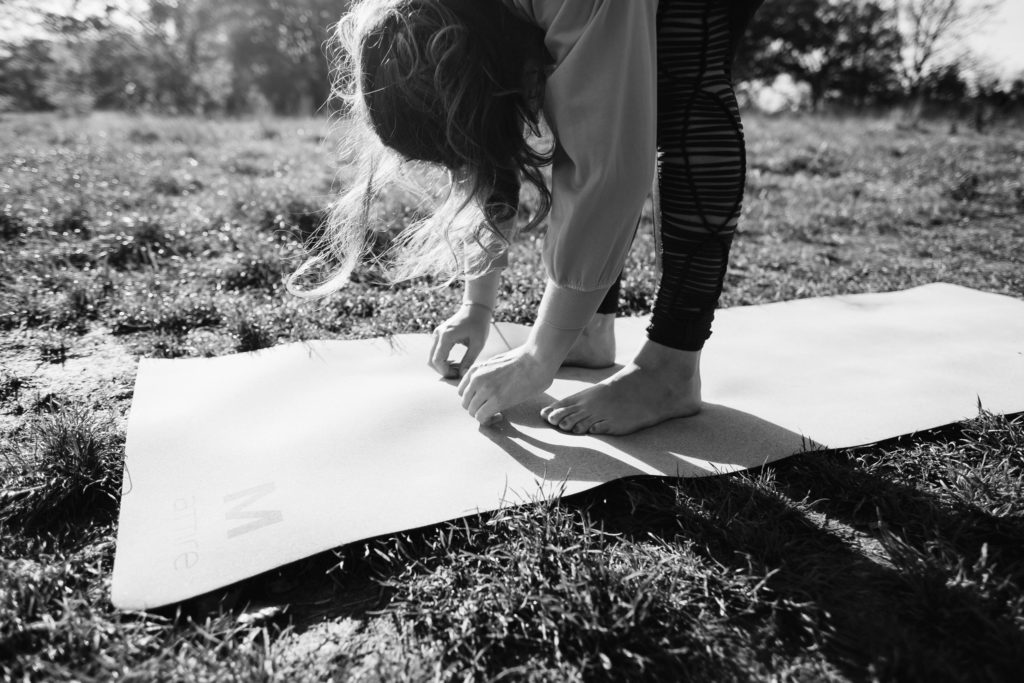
{"points": [[557, 462], [717, 440]]}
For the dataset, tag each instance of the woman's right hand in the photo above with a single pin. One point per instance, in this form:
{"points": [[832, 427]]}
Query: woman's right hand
{"points": [[469, 327]]}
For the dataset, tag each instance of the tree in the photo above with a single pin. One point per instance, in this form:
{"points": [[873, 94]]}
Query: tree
{"points": [[865, 57], [23, 69], [184, 39], [946, 84], [277, 47], [931, 29], [68, 84], [778, 31], [844, 48], [1015, 91], [195, 56]]}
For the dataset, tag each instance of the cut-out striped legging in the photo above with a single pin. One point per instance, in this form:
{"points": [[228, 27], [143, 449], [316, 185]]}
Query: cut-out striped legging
{"points": [[701, 163]]}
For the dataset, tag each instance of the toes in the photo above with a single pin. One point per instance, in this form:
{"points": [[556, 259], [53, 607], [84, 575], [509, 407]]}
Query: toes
{"points": [[598, 427], [546, 410], [568, 423], [556, 416], [584, 425]]}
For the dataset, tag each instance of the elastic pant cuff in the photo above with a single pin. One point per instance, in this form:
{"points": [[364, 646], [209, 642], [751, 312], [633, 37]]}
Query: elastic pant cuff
{"points": [[685, 334]]}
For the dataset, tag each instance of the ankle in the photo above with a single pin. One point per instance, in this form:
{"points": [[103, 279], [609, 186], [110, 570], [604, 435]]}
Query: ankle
{"points": [[674, 363], [601, 322]]}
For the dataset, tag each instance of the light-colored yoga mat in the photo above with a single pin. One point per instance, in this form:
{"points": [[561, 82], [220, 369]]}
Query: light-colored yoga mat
{"points": [[239, 464]]}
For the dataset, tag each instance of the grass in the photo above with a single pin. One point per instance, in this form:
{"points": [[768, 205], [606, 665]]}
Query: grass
{"points": [[170, 237], [71, 473]]}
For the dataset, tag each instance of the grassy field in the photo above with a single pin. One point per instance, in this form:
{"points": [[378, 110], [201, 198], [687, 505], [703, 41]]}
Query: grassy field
{"points": [[124, 237]]}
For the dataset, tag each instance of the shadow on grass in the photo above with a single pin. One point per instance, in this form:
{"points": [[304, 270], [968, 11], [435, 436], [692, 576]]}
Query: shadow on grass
{"points": [[911, 601]]}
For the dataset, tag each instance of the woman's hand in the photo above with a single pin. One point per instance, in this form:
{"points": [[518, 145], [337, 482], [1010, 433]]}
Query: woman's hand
{"points": [[469, 327], [514, 376], [504, 381]]}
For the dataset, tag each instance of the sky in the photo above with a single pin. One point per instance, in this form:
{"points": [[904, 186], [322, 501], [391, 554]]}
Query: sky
{"points": [[1001, 40]]}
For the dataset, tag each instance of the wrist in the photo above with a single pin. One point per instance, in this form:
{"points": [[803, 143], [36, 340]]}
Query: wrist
{"points": [[482, 291], [478, 307]]}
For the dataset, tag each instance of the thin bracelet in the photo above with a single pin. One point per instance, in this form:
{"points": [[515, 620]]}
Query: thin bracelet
{"points": [[489, 309]]}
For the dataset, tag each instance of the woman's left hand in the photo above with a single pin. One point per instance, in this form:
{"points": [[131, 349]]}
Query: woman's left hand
{"points": [[502, 382]]}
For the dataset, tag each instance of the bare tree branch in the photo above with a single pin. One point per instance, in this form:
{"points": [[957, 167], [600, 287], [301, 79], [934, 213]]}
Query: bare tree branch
{"points": [[933, 27]]}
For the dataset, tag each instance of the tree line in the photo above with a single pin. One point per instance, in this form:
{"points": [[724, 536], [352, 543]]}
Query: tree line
{"points": [[173, 56], [240, 56], [862, 53]]}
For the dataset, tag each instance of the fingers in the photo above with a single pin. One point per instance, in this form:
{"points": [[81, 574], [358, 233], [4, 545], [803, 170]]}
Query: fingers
{"points": [[482, 405], [439, 354], [489, 386], [444, 340], [466, 380], [480, 402], [488, 413], [435, 338], [472, 352], [443, 344], [474, 400]]}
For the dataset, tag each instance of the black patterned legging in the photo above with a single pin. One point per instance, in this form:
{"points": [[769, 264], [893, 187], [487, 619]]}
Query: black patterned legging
{"points": [[701, 163]]}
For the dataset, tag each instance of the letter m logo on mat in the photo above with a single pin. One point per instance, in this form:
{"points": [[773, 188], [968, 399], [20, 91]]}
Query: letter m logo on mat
{"points": [[254, 519]]}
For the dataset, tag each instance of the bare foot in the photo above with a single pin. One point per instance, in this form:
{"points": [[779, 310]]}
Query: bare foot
{"points": [[596, 346], [660, 384]]}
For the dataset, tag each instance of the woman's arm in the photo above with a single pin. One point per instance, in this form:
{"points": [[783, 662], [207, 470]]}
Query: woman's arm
{"points": [[600, 103], [483, 290], [470, 325]]}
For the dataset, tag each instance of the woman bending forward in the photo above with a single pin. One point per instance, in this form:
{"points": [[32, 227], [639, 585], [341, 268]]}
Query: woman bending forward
{"points": [[628, 88]]}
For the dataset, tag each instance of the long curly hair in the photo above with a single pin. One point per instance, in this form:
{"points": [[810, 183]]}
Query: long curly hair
{"points": [[452, 83]]}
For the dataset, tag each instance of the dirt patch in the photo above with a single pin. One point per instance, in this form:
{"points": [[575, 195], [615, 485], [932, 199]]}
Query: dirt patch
{"points": [[44, 368]]}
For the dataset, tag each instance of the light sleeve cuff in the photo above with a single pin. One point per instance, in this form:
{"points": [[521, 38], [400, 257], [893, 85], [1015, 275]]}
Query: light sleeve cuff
{"points": [[568, 309]]}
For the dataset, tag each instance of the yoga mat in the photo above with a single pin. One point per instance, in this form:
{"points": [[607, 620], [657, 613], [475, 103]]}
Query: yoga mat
{"points": [[239, 464]]}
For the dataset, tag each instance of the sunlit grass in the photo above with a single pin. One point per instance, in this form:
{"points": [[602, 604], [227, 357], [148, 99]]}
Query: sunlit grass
{"points": [[901, 561]]}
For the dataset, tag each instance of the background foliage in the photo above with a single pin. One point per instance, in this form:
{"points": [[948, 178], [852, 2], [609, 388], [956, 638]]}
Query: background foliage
{"points": [[172, 56], [243, 56]]}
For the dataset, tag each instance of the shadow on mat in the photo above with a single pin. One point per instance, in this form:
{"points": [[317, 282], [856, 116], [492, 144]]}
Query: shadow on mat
{"points": [[718, 440]]}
